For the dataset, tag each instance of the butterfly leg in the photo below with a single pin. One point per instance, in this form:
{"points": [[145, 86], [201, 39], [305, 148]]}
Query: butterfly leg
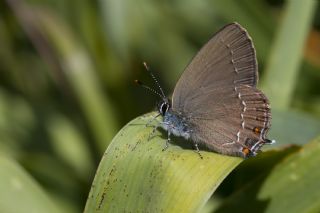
{"points": [[197, 149], [167, 142], [152, 119], [155, 127], [151, 135]]}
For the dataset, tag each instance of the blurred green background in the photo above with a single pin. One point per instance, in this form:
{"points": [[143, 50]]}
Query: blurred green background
{"points": [[67, 71]]}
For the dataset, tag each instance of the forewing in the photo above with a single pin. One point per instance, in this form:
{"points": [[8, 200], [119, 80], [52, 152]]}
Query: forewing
{"points": [[217, 94], [228, 58]]}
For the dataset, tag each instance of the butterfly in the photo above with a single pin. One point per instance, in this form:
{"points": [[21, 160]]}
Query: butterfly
{"points": [[215, 102]]}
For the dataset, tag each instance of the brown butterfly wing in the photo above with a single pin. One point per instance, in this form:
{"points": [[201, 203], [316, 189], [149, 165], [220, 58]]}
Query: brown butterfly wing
{"points": [[238, 120], [228, 58], [217, 94]]}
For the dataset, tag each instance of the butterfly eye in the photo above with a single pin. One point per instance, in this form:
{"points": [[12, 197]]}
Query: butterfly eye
{"points": [[164, 107]]}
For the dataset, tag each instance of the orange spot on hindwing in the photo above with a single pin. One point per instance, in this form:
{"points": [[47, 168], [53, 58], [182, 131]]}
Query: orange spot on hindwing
{"points": [[245, 151]]}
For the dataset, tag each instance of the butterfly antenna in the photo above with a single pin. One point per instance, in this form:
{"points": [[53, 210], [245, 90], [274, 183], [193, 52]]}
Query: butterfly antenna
{"points": [[148, 88], [155, 79]]}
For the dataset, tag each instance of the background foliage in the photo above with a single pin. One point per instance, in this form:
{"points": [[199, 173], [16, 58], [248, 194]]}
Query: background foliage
{"points": [[66, 73]]}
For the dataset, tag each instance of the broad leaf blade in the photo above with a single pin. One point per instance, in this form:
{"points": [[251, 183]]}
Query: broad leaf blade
{"points": [[292, 127], [136, 175], [294, 184], [291, 186], [19, 192]]}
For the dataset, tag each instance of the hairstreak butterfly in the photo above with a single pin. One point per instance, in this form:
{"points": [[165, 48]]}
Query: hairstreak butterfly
{"points": [[215, 102]]}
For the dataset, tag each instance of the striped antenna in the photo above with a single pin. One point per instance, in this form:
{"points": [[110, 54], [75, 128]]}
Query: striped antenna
{"points": [[148, 88], [155, 80]]}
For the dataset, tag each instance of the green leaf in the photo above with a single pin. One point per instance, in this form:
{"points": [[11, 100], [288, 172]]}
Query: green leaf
{"points": [[286, 54], [79, 70], [19, 192], [291, 186], [294, 184], [69, 145], [293, 127], [245, 174], [136, 175]]}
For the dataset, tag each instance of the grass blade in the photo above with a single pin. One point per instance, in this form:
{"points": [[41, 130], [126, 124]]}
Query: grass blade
{"points": [[19, 192], [286, 54]]}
